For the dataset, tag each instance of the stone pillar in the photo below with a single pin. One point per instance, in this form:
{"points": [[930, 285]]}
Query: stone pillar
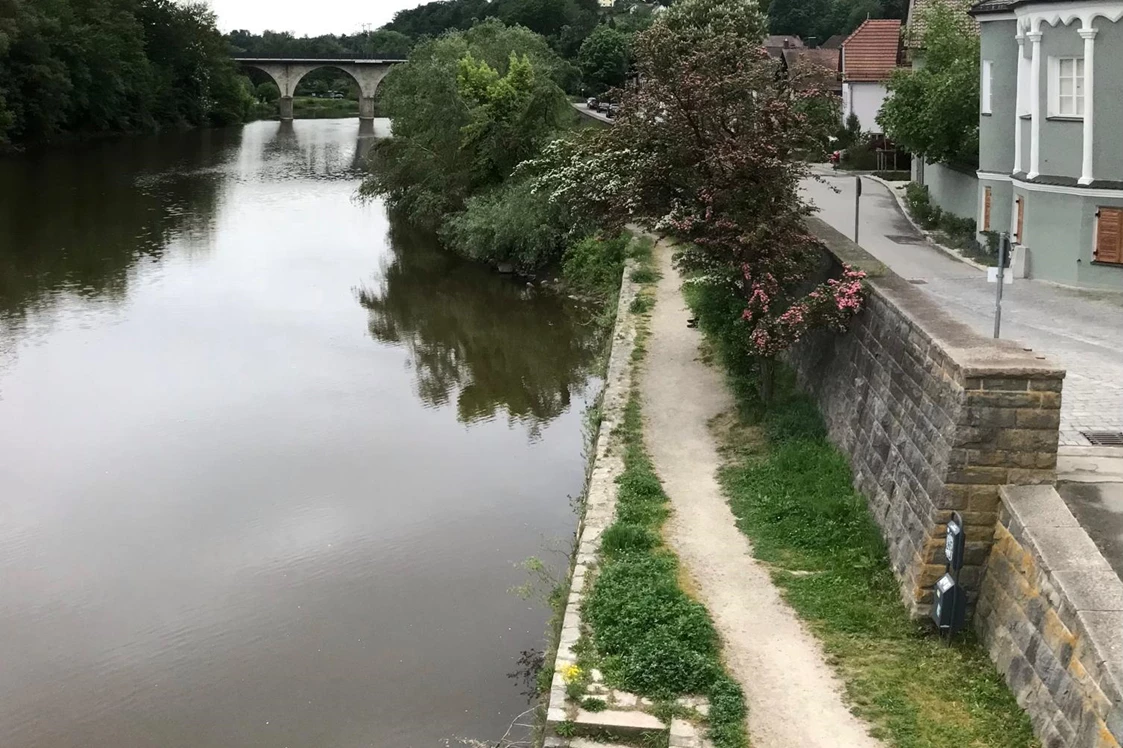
{"points": [[1035, 105], [1019, 105], [366, 107], [1088, 34], [285, 104]]}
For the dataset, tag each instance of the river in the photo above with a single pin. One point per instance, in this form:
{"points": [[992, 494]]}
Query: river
{"points": [[267, 461]]}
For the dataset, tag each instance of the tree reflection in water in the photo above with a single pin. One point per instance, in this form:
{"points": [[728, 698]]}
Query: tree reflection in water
{"points": [[492, 342]]}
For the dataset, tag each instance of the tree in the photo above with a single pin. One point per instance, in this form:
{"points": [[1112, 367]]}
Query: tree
{"points": [[707, 149], [603, 60], [933, 110], [466, 109], [268, 92]]}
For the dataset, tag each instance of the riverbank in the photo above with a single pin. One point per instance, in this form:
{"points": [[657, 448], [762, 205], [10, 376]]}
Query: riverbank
{"points": [[637, 657]]}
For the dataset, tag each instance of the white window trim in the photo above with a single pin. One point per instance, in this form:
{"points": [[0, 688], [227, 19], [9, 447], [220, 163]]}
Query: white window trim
{"points": [[986, 87], [1054, 98]]}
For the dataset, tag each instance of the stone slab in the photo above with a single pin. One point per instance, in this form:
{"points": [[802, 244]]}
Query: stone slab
{"points": [[1037, 506]]}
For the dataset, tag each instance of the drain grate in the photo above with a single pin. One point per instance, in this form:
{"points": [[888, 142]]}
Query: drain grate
{"points": [[1104, 438]]}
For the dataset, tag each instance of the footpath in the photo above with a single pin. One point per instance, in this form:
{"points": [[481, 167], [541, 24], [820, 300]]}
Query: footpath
{"points": [[793, 696], [1079, 329]]}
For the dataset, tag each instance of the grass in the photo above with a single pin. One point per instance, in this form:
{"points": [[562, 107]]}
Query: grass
{"points": [[646, 634], [792, 494], [306, 107]]}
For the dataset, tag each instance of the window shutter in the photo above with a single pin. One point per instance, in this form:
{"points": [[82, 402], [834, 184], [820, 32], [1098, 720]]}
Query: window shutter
{"points": [[1021, 216], [986, 209], [1109, 236]]}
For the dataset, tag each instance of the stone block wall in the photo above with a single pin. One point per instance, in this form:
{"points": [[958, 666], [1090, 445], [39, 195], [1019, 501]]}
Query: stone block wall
{"points": [[1051, 615], [934, 418]]}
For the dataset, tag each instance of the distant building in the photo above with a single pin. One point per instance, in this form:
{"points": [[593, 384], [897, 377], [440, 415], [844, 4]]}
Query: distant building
{"points": [[833, 42], [606, 4], [820, 67], [777, 43], [869, 57]]}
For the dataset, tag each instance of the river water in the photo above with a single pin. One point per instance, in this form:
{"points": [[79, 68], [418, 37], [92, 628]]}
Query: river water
{"points": [[267, 461]]}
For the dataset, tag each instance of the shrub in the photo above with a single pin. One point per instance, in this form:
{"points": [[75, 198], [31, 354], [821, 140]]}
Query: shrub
{"points": [[920, 206], [510, 224], [594, 264]]}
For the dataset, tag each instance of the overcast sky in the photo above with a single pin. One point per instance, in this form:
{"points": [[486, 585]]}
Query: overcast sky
{"points": [[307, 17]]}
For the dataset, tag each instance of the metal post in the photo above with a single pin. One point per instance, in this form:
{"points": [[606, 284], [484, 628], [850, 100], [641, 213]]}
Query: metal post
{"points": [[1003, 249], [857, 205]]}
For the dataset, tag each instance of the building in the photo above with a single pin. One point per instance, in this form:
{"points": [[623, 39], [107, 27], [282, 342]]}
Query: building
{"points": [[816, 67], [869, 57], [1050, 153]]}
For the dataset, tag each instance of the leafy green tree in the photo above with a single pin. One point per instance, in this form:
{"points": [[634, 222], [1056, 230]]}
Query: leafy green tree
{"points": [[268, 92], [466, 109], [603, 60], [933, 110]]}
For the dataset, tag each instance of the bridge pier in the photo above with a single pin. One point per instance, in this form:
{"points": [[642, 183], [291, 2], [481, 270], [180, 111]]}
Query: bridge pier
{"points": [[366, 107], [285, 104]]}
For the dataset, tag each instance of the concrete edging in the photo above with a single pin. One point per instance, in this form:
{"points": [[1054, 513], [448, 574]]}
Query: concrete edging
{"points": [[623, 715]]}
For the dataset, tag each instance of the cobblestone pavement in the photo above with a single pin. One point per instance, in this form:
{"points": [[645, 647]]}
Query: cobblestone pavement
{"points": [[1081, 330]]}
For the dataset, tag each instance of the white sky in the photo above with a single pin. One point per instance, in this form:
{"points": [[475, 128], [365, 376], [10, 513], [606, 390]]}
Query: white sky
{"points": [[306, 17]]}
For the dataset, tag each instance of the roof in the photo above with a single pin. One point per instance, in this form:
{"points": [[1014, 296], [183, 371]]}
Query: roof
{"points": [[823, 64], [871, 52], [784, 41], [834, 42], [918, 18], [991, 6]]}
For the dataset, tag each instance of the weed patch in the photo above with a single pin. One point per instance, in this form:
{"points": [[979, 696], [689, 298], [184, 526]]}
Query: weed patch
{"points": [[647, 635], [792, 494]]}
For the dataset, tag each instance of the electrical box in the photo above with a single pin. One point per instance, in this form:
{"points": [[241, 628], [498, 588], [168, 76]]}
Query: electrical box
{"points": [[954, 543], [949, 607]]}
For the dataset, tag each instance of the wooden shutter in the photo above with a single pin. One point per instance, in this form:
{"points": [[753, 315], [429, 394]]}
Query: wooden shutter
{"points": [[986, 209], [1020, 203], [1109, 236]]}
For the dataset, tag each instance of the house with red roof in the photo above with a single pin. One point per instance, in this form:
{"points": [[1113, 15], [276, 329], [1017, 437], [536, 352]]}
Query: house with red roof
{"points": [[869, 57]]}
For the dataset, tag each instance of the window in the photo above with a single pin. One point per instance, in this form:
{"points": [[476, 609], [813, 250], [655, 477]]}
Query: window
{"points": [[1019, 219], [1109, 236], [985, 87], [1066, 87]]}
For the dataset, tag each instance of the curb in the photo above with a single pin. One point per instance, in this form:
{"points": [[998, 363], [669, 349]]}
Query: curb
{"points": [[923, 232]]}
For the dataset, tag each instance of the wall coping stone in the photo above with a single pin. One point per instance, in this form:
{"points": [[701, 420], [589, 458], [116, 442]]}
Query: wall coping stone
{"points": [[1087, 592], [974, 355]]}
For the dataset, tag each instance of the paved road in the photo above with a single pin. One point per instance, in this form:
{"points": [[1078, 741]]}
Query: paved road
{"points": [[1081, 330], [599, 116]]}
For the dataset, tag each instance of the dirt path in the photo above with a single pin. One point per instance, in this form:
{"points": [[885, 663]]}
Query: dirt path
{"points": [[794, 698]]}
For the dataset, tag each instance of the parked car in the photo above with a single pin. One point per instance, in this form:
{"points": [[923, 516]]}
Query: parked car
{"points": [[613, 110], [592, 103]]}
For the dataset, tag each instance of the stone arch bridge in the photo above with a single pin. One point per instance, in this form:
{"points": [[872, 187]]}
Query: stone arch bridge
{"points": [[287, 73]]}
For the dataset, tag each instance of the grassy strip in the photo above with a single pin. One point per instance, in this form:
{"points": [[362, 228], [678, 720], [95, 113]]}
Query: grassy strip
{"points": [[306, 107], [647, 635], [791, 491]]}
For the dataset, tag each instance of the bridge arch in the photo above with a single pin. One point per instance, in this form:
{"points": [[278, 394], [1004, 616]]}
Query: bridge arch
{"points": [[287, 74]]}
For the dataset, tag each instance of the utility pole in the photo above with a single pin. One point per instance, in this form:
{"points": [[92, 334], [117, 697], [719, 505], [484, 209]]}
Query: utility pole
{"points": [[857, 205]]}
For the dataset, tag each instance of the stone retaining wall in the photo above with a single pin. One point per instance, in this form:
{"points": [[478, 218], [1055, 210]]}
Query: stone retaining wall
{"points": [[934, 418], [1051, 615]]}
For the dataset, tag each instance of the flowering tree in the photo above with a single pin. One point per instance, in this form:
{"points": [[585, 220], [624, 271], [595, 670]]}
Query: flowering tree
{"points": [[706, 148]]}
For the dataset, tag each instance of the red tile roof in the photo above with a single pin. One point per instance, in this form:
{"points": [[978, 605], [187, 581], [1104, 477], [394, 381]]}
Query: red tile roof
{"points": [[871, 52]]}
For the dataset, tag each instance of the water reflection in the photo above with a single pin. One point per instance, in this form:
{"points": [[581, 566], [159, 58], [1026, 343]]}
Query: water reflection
{"points": [[225, 517], [493, 343], [76, 220]]}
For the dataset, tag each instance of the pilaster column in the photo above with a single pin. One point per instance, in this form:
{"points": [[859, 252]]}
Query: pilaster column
{"points": [[1035, 105], [1088, 34], [1018, 101]]}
